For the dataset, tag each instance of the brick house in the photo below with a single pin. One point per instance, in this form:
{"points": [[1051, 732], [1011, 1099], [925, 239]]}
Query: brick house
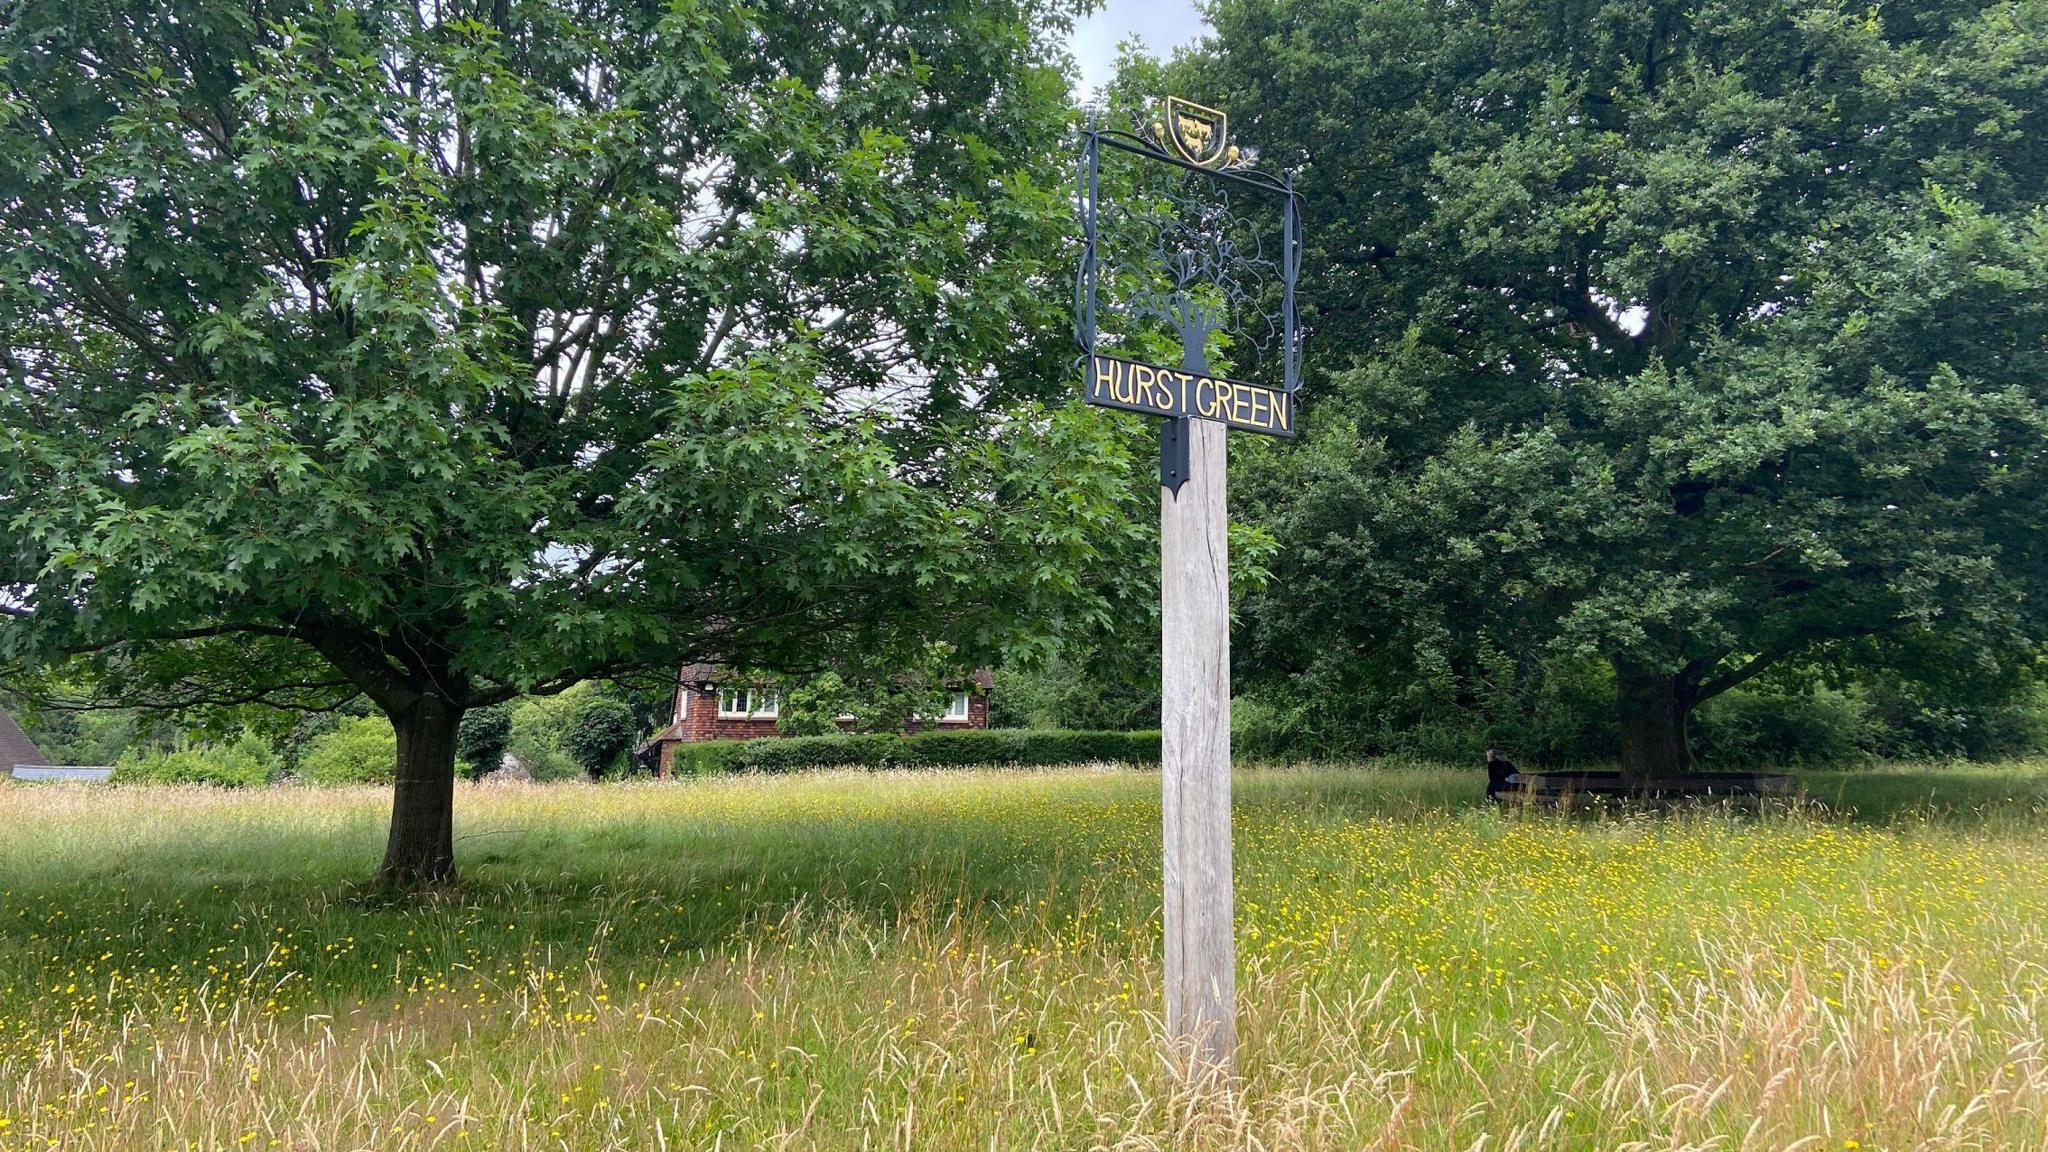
{"points": [[706, 707]]}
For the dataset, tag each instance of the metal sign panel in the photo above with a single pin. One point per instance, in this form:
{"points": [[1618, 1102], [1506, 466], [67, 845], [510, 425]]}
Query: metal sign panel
{"points": [[1117, 383]]}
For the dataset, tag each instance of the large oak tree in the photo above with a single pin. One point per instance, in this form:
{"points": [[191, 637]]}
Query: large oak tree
{"points": [[438, 351], [1692, 336]]}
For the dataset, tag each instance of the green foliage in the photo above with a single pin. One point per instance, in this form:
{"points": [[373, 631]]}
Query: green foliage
{"points": [[244, 763], [360, 750], [1108, 685], [1752, 728], [599, 732], [1797, 717], [91, 738], [882, 696], [924, 750], [1688, 338], [535, 737], [811, 706], [492, 349], [482, 736]]}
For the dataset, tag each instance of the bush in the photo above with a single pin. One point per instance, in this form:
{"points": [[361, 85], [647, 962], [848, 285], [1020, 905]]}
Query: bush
{"points": [[246, 763], [1762, 728], [1016, 748], [708, 757], [1915, 722], [482, 737], [360, 750], [600, 731], [538, 723]]}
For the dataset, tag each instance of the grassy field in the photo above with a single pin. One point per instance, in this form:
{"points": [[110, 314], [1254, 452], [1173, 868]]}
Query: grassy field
{"points": [[969, 961]]}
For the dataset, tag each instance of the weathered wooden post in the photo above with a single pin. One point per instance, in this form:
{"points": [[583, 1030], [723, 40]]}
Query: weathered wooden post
{"points": [[1194, 613], [1194, 276]]}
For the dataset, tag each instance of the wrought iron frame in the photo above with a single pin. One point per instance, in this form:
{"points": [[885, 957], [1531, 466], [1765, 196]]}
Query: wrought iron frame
{"points": [[1173, 468]]}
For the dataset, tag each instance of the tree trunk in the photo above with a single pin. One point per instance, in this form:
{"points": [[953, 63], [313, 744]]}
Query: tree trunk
{"points": [[1653, 707], [421, 850]]}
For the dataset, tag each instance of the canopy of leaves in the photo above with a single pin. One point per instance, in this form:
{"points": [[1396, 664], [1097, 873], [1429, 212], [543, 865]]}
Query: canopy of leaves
{"points": [[1689, 336], [470, 349]]}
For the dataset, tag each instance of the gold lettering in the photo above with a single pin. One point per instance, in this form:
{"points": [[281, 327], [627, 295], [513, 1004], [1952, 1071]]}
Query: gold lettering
{"points": [[1283, 416], [1261, 414], [1155, 389], [1168, 391], [1105, 375]]}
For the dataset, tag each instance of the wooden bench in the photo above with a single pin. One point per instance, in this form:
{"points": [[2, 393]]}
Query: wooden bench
{"points": [[48, 772], [1524, 787]]}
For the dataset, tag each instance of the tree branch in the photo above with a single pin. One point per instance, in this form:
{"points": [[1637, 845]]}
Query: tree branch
{"points": [[1749, 670]]}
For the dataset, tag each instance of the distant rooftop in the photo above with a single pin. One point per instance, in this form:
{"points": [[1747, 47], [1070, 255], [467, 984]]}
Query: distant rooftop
{"points": [[15, 746]]}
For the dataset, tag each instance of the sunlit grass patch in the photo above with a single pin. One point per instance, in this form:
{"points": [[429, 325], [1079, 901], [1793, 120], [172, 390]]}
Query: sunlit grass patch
{"points": [[970, 960]]}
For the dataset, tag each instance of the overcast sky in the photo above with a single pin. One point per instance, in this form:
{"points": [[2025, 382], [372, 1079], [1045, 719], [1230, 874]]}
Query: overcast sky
{"points": [[1163, 24]]}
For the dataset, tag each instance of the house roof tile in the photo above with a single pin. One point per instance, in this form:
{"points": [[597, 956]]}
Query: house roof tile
{"points": [[15, 746]]}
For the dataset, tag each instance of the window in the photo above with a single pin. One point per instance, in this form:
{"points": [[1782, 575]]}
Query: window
{"points": [[958, 709], [748, 703]]}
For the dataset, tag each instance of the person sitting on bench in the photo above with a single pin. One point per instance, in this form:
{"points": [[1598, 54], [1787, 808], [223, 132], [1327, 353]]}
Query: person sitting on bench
{"points": [[1501, 774]]}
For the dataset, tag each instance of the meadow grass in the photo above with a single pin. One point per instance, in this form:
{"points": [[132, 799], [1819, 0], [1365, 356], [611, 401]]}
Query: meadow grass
{"points": [[970, 960]]}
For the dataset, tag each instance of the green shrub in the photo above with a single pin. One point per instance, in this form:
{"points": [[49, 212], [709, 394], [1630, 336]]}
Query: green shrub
{"points": [[1013, 747], [600, 731], [796, 753], [246, 763], [481, 739], [1762, 728], [538, 723], [707, 757], [361, 750]]}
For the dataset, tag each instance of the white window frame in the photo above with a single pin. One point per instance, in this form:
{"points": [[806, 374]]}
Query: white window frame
{"points": [[959, 710], [756, 703]]}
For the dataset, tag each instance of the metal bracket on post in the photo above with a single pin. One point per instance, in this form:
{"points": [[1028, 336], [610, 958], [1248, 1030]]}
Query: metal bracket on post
{"points": [[1173, 453], [1175, 433]]}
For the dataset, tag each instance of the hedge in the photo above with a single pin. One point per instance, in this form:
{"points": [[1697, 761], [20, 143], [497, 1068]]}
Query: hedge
{"points": [[246, 763], [1007, 747]]}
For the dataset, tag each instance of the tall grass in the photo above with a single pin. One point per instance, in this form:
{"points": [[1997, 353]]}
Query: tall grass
{"points": [[969, 960]]}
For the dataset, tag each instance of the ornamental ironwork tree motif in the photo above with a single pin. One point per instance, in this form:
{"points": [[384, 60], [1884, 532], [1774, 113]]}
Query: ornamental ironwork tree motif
{"points": [[1194, 252]]}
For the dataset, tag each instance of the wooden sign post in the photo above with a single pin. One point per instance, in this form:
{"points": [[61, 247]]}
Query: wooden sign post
{"points": [[1194, 547], [1194, 705]]}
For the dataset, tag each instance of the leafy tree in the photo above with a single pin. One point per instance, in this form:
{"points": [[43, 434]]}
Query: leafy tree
{"points": [[1107, 686], [599, 732], [876, 695], [481, 737], [440, 354], [812, 705], [1691, 338]]}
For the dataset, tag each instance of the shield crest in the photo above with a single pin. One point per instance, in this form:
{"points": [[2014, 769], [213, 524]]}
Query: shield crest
{"points": [[1201, 135]]}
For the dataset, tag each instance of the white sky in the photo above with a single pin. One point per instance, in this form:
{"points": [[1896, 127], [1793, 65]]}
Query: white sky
{"points": [[1162, 24]]}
